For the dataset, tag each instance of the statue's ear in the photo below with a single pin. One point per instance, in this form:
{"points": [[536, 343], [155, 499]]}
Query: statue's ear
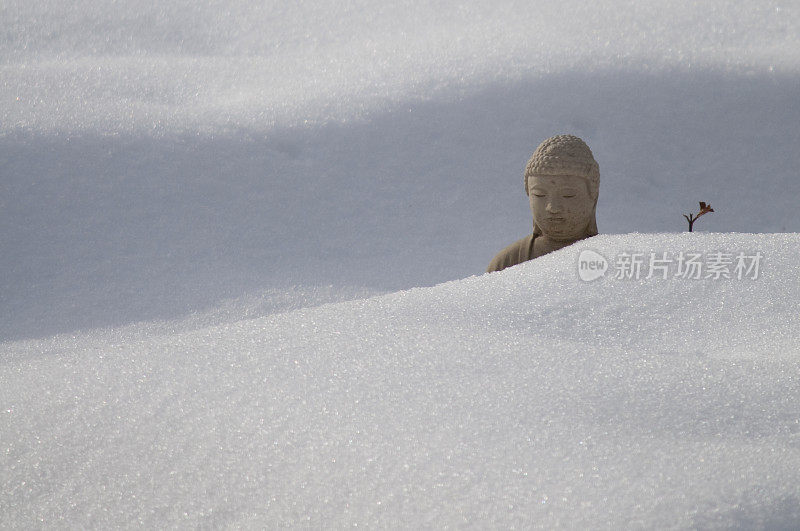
{"points": [[591, 230], [593, 191]]}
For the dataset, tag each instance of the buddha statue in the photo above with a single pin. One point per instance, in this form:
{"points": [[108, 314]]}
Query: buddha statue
{"points": [[562, 181]]}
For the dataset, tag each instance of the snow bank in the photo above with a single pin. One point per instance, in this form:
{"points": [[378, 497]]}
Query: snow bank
{"points": [[211, 66], [105, 231], [521, 398], [241, 163], [161, 157]]}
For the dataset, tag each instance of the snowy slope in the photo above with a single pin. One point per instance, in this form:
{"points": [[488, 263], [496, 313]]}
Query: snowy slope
{"points": [[159, 158], [524, 398], [185, 185]]}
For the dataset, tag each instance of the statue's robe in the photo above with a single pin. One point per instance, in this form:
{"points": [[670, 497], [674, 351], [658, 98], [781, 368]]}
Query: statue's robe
{"points": [[516, 253]]}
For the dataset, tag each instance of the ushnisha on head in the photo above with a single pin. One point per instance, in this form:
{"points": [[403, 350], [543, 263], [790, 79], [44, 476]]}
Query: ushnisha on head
{"points": [[562, 180]]}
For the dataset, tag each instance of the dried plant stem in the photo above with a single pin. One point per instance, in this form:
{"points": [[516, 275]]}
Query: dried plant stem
{"points": [[704, 209]]}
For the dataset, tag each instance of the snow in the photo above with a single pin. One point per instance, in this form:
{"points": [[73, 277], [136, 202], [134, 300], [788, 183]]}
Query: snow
{"points": [[161, 158], [517, 398], [239, 255]]}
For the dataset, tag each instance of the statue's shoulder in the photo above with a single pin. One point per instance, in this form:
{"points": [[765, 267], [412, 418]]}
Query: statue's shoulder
{"points": [[516, 253]]}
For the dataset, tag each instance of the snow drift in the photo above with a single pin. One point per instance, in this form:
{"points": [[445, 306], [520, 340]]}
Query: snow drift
{"points": [[184, 184], [521, 398], [160, 157]]}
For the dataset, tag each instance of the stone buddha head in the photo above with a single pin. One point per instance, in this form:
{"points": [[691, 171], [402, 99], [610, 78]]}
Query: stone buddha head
{"points": [[562, 180]]}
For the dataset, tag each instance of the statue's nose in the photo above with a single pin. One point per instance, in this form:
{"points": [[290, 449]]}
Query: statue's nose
{"points": [[553, 207]]}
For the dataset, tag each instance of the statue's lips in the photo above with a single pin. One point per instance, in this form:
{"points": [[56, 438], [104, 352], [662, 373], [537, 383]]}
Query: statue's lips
{"points": [[555, 220]]}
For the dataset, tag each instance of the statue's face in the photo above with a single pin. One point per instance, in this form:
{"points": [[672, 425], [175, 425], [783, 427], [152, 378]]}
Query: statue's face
{"points": [[561, 204]]}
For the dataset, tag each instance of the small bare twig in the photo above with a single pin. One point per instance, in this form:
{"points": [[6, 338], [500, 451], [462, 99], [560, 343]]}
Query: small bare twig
{"points": [[704, 209]]}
